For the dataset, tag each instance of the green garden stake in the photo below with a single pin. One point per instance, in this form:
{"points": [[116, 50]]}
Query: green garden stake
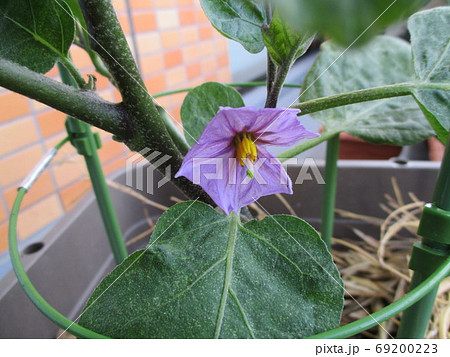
{"points": [[87, 143], [430, 253], [329, 191]]}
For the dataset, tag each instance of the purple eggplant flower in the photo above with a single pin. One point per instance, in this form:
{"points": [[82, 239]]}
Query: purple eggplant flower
{"points": [[230, 161]]}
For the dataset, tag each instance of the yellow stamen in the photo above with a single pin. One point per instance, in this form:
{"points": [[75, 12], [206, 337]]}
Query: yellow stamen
{"points": [[245, 148]]}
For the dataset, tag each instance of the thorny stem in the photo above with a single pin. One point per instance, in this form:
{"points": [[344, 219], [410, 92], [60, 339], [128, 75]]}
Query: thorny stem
{"points": [[147, 127], [271, 67]]}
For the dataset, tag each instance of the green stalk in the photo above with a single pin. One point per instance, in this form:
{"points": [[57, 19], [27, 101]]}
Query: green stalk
{"points": [[271, 67], [329, 191], [82, 104], [70, 66], [365, 95]]}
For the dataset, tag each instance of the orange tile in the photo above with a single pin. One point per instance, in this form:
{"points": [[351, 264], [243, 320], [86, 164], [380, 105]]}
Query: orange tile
{"points": [[117, 95], [222, 60], [156, 84], [119, 5], [68, 170], [173, 58], [110, 150], [222, 44], [144, 22], [189, 35], [141, 4], [167, 19], [38, 216], [224, 75], [152, 64], [164, 3], [66, 151], [196, 82], [103, 134], [53, 73], [123, 19], [38, 107], [114, 165], [163, 101], [193, 70], [80, 57], [209, 65], [205, 32], [185, 2], [102, 81], [192, 53], [12, 105], [170, 39], [19, 165], [51, 122], [201, 17], [73, 193], [187, 17], [41, 188], [207, 49], [177, 99], [212, 78], [3, 214], [175, 77], [17, 134], [176, 114], [148, 43], [3, 237], [107, 94]]}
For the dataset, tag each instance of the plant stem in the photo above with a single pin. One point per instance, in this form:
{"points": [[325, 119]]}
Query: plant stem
{"points": [[329, 191], [280, 77], [148, 129], [82, 104], [67, 62], [365, 95], [271, 67]]}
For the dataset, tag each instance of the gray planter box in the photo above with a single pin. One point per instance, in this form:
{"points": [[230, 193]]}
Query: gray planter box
{"points": [[75, 254]]}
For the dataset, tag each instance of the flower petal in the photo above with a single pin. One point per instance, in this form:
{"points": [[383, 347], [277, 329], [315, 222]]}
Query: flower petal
{"points": [[282, 128], [269, 178], [212, 162]]}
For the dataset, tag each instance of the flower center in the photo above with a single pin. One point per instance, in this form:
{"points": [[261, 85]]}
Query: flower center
{"points": [[246, 151]]}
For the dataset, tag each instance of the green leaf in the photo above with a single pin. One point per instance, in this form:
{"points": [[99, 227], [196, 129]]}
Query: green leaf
{"points": [[35, 33], [283, 42], [78, 14], [346, 20], [383, 61], [430, 40], [239, 20], [205, 275], [202, 104]]}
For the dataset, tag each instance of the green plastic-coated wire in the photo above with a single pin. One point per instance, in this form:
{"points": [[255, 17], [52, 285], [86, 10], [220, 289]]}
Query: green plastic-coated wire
{"points": [[36, 298], [391, 310]]}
